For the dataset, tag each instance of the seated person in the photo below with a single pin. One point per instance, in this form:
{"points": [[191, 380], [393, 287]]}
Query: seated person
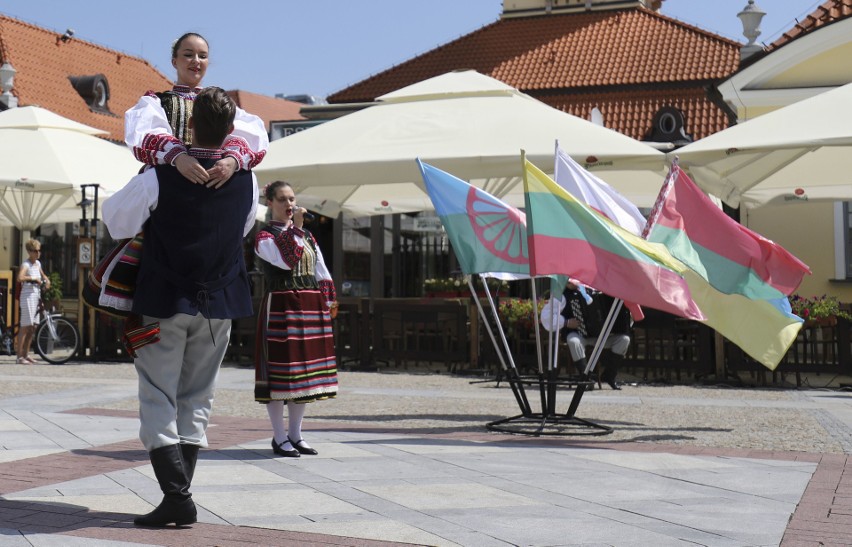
{"points": [[583, 315]]}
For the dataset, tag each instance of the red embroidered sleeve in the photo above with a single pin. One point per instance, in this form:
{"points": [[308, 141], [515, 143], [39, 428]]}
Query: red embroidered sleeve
{"points": [[238, 148], [158, 149], [291, 251], [261, 236], [328, 290]]}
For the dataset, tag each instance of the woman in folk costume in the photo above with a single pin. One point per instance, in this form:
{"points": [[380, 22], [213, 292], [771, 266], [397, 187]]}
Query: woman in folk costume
{"points": [[294, 359], [157, 131]]}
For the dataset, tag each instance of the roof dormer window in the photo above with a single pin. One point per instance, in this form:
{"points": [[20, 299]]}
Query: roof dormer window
{"points": [[94, 90]]}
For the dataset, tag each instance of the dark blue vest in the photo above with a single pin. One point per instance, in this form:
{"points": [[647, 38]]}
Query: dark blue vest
{"points": [[192, 256]]}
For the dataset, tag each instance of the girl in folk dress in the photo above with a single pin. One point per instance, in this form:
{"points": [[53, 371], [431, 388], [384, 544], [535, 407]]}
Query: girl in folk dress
{"points": [[294, 360], [157, 128], [30, 276], [157, 131]]}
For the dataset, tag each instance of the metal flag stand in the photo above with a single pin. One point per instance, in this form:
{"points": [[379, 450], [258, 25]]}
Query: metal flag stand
{"points": [[547, 421]]}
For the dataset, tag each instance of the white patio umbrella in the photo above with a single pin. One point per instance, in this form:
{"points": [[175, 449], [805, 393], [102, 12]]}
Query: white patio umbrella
{"points": [[468, 124], [45, 157], [800, 152], [26, 204]]}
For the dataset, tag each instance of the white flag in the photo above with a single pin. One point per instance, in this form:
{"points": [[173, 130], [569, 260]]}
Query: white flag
{"points": [[597, 194]]}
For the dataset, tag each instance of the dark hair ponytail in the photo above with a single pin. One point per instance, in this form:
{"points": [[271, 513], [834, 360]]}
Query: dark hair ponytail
{"points": [[177, 43], [270, 189]]}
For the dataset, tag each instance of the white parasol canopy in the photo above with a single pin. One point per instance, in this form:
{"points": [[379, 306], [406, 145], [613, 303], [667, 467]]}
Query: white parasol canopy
{"points": [[468, 124], [26, 204], [800, 152], [45, 159]]}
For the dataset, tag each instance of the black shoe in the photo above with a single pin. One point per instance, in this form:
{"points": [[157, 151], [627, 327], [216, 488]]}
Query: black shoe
{"points": [[172, 510], [614, 385], [302, 449], [276, 447], [177, 506]]}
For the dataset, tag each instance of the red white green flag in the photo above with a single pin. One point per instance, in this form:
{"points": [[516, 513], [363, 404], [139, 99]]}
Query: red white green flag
{"points": [[739, 279], [734, 259]]}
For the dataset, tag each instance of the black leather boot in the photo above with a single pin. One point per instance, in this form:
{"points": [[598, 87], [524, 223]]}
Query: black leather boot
{"points": [[611, 370], [580, 365], [177, 506], [189, 453]]}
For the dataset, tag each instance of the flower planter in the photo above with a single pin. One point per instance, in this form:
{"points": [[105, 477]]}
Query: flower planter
{"points": [[443, 294], [481, 294], [821, 322]]}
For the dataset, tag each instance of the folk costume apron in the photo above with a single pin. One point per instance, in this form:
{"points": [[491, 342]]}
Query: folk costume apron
{"points": [[294, 352]]}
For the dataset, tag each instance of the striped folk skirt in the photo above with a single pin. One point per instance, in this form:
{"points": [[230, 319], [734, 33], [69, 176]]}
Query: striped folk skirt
{"points": [[294, 348]]}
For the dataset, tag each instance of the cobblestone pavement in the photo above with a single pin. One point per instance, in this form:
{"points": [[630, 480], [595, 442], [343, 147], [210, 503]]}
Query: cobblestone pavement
{"points": [[707, 428], [691, 415]]}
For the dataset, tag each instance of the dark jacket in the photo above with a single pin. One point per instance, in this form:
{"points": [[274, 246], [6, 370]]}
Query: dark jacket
{"points": [[192, 258]]}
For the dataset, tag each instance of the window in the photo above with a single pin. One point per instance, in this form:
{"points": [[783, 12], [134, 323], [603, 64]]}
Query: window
{"points": [[94, 90]]}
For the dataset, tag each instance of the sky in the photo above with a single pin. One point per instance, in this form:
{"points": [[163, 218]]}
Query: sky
{"points": [[319, 47]]}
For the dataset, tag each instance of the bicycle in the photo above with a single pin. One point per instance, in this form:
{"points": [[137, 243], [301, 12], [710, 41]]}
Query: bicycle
{"points": [[56, 338]]}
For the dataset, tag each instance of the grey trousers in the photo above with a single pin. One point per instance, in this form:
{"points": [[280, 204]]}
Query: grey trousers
{"points": [[618, 343], [177, 376]]}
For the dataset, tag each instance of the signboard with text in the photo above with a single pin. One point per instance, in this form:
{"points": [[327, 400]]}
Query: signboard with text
{"points": [[279, 130], [428, 224]]}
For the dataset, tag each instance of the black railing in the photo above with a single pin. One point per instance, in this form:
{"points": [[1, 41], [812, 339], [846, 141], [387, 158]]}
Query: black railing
{"points": [[401, 331]]}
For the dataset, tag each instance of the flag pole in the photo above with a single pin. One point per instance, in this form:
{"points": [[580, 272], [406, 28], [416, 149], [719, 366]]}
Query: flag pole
{"points": [[553, 356], [547, 384], [617, 303], [544, 383], [662, 196], [537, 329], [512, 373]]}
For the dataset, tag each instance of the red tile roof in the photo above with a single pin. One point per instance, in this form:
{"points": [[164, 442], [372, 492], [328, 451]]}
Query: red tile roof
{"points": [[577, 60], [44, 63], [828, 12], [268, 108], [631, 112]]}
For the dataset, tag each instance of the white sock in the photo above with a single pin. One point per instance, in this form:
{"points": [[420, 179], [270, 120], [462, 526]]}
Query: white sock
{"points": [[295, 414], [275, 409]]}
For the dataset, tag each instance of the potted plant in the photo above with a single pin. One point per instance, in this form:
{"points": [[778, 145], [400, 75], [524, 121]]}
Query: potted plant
{"points": [[517, 314], [446, 287], [818, 310], [497, 287], [53, 295], [452, 287]]}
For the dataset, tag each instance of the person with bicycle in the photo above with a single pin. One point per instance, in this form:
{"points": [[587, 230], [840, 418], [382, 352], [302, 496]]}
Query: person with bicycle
{"points": [[30, 276], [192, 281]]}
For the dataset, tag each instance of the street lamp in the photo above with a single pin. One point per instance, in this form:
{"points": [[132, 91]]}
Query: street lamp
{"points": [[87, 257], [7, 82], [85, 204]]}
